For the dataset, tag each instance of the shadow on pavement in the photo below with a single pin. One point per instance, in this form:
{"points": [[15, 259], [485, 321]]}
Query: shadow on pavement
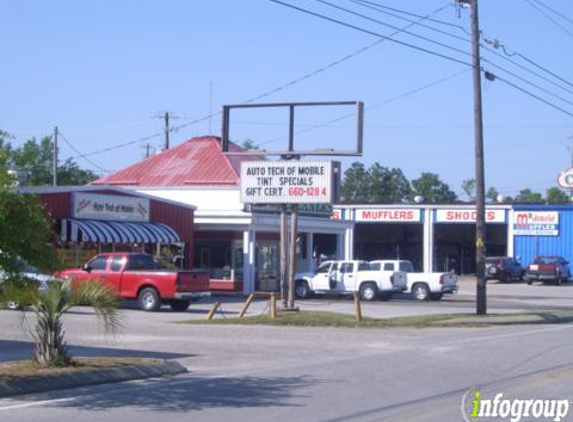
{"points": [[11, 350], [197, 393]]}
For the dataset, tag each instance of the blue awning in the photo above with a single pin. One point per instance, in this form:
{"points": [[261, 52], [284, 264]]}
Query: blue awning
{"points": [[117, 232]]}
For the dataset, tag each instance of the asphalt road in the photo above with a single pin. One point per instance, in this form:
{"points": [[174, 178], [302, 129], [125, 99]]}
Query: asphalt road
{"points": [[247, 373]]}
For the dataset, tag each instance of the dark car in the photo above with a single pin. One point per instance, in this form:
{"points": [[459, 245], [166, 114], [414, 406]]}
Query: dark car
{"points": [[503, 268], [548, 268]]}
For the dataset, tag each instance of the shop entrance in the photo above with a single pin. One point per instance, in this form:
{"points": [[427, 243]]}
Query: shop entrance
{"points": [[454, 246], [390, 241]]}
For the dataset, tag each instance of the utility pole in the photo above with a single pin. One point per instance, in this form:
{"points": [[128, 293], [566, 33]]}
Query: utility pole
{"points": [[55, 158], [166, 146], [481, 296]]}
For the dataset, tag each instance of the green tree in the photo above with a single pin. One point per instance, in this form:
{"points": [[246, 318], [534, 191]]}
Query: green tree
{"points": [[492, 194], [49, 306], [527, 196], [387, 185], [433, 190], [469, 188], [33, 162], [249, 144], [557, 196], [355, 187]]}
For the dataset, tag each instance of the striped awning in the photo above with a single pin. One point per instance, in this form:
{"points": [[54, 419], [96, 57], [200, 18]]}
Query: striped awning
{"points": [[117, 232]]}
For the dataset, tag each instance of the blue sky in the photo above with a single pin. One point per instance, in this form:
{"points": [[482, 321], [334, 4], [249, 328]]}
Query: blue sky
{"points": [[101, 70]]}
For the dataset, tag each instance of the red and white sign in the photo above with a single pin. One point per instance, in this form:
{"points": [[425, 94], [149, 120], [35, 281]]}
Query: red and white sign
{"points": [[468, 216], [536, 223], [565, 179], [388, 215], [109, 207], [337, 215]]}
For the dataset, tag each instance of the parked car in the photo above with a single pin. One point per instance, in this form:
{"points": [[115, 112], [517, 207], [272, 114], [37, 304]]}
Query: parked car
{"points": [[346, 277], [139, 276], [27, 274], [422, 285], [503, 268], [548, 268]]}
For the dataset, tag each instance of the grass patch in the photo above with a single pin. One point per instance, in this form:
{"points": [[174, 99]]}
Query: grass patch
{"points": [[29, 368], [332, 319]]}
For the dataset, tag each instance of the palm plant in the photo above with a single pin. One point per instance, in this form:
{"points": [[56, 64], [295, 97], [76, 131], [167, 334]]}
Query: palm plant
{"points": [[51, 304]]}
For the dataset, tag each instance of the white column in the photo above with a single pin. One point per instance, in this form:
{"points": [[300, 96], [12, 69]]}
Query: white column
{"points": [[349, 243], [310, 251], [249, 251], [428, 242], [510, 235]]}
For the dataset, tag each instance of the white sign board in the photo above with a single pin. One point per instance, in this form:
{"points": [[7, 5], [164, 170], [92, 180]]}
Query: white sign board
{"points": [[536, 223], [289, 182], [109, 207], [468, 216], [388, 215], [565, 179]]}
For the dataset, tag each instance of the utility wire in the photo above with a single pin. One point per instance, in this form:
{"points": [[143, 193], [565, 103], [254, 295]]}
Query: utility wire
{"points": [[125, 144], [366, 31], [342, 23], [544, 13], [550, 104], [383, 103], [60, 134], [374, 6], [561, 15]]}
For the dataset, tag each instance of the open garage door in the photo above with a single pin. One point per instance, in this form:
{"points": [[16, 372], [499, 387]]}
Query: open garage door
{"points": [[455, 238]]}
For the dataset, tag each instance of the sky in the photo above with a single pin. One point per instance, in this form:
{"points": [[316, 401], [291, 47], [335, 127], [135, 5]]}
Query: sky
{"points": [[104, 72]]}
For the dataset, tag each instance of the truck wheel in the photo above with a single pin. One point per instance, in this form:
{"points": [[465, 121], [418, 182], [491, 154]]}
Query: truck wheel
{"points": [[436, 296], [148, 299], [368, 292], [179, 305], [421, 291], [301, 290], [13, 306]]}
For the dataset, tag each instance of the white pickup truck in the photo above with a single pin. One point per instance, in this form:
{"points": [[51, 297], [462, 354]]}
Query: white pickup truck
{"points": [[423, 286], [345, 277]]}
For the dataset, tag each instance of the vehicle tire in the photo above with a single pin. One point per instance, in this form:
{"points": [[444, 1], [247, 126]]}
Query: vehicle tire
{"points": [[13, 306], [149, 299], [420, 291], [368, 292], [301, 290], [436, 296], [179, 305]]}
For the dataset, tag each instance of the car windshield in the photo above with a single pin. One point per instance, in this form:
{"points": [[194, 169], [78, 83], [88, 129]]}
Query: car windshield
{"points": [[546, 260], [492, 261]]}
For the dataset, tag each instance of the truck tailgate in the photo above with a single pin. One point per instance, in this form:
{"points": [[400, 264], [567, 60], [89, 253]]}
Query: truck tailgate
{"points": [[193, 281]]}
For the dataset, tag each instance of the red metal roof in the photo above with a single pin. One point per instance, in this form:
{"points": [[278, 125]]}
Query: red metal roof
{"points": [[196, 162]]}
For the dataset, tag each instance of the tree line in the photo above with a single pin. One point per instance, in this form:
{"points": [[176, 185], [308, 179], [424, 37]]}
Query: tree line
{"points": [[32, 164], [384, 185]]}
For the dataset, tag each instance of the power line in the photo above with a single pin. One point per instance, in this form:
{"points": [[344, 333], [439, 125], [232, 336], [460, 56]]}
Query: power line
{"points": [[536, 7], [380, 9], [415, 47], [561, 15], [366, 31], [537, 97], [61, 135], [125, 144], [383, 103]]}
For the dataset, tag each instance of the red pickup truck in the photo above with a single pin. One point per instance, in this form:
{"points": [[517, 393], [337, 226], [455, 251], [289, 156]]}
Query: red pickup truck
{"points": [[139, 276]]}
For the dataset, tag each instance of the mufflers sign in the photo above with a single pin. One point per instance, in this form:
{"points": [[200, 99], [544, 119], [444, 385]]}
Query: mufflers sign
{"points": [[290, 182]]}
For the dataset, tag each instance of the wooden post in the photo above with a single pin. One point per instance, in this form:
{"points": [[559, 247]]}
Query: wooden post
{"points": [[357, 307], [247, 304], [211, 313], [273, 306], [292, 256]]}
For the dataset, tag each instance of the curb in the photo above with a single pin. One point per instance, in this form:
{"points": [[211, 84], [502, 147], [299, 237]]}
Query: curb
{"points": [[28, 385]]}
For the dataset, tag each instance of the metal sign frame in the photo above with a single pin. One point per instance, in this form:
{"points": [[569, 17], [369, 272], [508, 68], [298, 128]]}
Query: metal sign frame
{"points": [[291, 147]]}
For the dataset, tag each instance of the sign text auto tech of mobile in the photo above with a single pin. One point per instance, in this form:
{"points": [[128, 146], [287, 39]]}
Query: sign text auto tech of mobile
{"points": [[289, 182]]}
